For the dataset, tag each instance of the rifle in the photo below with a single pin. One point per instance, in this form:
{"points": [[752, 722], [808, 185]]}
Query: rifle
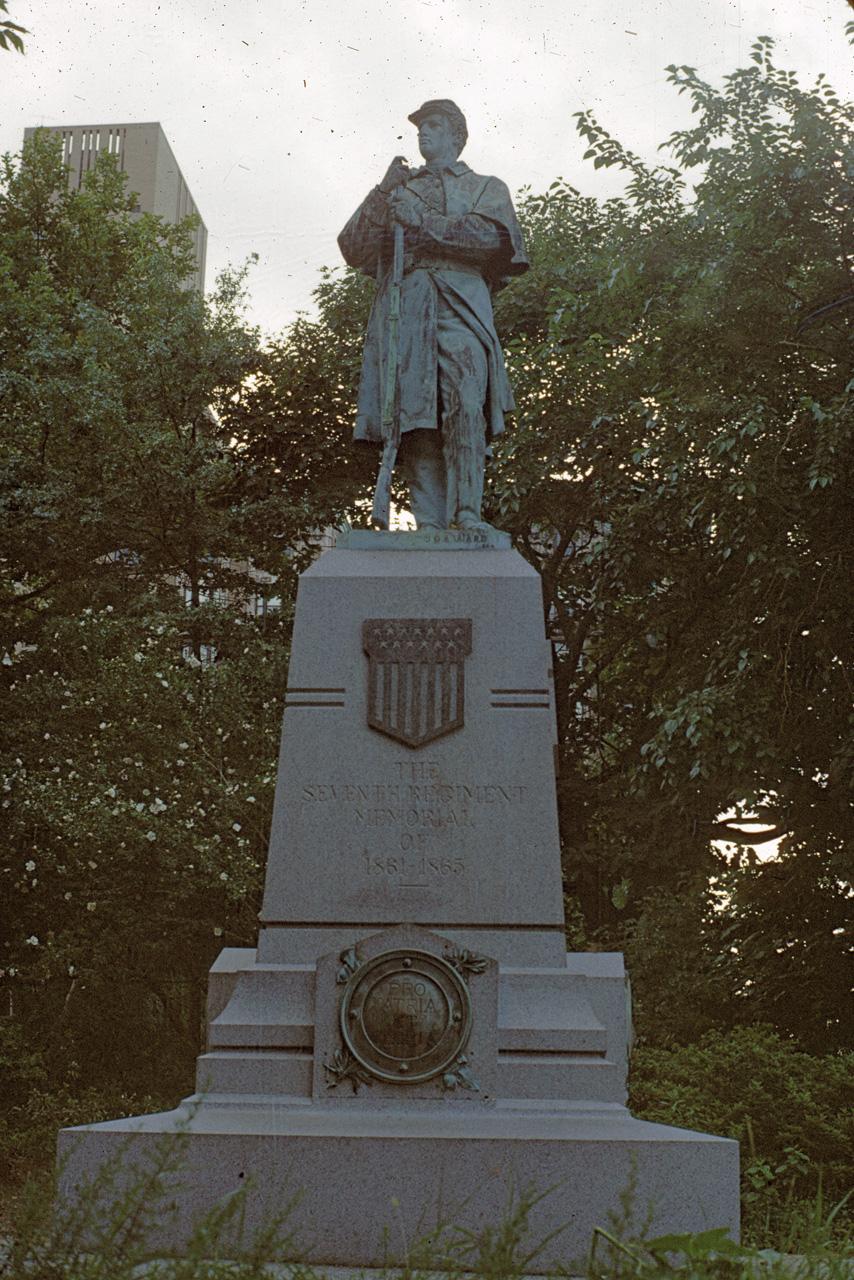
{"points": [[391, 418]]}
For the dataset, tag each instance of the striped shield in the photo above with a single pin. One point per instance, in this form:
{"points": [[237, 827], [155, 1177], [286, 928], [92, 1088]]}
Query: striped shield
{"points": [[416, 676]]}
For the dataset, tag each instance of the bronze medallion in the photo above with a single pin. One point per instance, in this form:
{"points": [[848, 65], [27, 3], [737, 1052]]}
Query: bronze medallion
{"points": [[406, 1016]]}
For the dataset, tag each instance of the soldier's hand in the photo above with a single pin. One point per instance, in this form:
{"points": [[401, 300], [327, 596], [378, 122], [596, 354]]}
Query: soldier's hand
{"points": [[404, 213], [396, 174]]}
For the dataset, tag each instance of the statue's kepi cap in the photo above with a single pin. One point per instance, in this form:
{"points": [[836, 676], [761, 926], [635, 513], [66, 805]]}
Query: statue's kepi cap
{"points": [[442, 106]]}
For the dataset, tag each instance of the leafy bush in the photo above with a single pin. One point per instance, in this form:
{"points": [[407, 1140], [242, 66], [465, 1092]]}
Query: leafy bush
{"points": [[792, 1113]]}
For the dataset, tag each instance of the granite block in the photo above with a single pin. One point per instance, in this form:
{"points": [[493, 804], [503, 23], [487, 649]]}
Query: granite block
{"points": [[460, 832], [368, 1181], [269, 1006]]}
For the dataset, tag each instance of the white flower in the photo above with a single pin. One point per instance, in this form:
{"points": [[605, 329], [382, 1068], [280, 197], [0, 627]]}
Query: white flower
{"points": [[31, 866], [93, 865], [68, 897], [223, 875], [183, 745], [137, 657], [90, 906], [217, 931], [235, 826], [250, 799], [111, 791], [149, 835], [32, 941], [102, 725]]}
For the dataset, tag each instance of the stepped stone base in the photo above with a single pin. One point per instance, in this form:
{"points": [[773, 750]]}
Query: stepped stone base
{"points": [[415, 833]]}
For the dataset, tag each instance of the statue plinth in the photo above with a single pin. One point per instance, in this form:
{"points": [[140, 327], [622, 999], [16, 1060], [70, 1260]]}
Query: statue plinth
{"points": [[410, 1034]]}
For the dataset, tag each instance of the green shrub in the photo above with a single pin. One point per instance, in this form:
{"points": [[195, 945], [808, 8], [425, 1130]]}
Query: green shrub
{"points": [[35, 1103], [792, 1113]]}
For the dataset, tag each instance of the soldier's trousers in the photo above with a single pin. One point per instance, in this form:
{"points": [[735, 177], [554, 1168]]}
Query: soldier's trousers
{"points": [[444, 468]]}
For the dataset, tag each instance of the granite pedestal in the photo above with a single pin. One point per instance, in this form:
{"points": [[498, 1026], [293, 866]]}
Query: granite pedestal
{"points": [[413, 889]]}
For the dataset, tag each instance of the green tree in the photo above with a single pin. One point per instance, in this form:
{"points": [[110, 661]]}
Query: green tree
{"points": [[136, 780], [292, 425], [113, 375], [792, 1113], [137, 786]]}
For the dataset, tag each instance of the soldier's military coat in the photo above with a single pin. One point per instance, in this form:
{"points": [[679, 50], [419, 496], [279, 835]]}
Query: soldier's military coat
{"points": [[469, 242]]}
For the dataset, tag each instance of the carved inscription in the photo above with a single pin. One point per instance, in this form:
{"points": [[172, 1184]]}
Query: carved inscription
{"points": [[433, 806], [405, 1015], [413, 869], [415, 829]]}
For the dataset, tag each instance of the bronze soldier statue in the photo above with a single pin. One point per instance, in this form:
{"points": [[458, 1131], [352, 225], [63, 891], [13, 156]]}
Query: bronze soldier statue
{"points": [[443, 369]]}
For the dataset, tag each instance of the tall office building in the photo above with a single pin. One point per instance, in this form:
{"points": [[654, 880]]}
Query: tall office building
{"points": [[146, 157]]}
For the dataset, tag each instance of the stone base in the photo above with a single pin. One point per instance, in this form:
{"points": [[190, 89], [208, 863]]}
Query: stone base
{"points": [[373, 1180], [416, 822]]}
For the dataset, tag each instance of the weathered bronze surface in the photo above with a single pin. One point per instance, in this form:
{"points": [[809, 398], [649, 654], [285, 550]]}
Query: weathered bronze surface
{"points": [[406, 1016], [461, 242]]}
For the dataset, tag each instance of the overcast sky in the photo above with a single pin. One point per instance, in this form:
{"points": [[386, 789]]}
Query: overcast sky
{"points": [[283, 113]]}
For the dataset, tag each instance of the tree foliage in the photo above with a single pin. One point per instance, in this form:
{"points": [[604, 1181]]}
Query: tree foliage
{"points": [[682, 474], [10, 32], [137, 788], [294, 423], [792, 1113], [112, 453], [136, 779]]}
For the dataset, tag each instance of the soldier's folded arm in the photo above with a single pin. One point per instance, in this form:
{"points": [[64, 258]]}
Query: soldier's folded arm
{"points": [[472, 237]]}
